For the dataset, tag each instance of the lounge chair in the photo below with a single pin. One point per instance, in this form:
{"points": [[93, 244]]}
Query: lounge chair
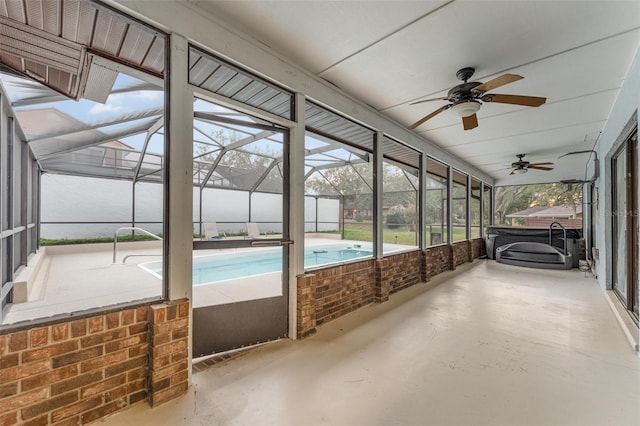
{"points": [[211, 231], [253, 231]]}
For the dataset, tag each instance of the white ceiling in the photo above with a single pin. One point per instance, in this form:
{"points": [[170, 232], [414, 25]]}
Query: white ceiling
{"points": [[391, 53]]}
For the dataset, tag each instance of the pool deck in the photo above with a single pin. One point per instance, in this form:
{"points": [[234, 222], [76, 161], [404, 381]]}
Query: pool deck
{"points": [[79, 277]]}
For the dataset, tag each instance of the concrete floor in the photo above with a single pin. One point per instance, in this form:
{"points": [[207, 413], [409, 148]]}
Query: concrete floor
{"points": [[486, 344]]}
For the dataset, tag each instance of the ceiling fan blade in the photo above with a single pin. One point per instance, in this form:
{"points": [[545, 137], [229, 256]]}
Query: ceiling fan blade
{"points": [[532, 101], [444, 98], [513, 172], [531, 166], [497, 82], [433, 114], [541, 164], [470, 122]]}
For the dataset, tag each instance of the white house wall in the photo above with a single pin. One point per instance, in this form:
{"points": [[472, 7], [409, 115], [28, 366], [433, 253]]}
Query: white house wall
{"points": [[627, 103]]}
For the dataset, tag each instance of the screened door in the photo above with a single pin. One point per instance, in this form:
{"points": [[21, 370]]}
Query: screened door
{"points": [[241, 239], [625, 225]]}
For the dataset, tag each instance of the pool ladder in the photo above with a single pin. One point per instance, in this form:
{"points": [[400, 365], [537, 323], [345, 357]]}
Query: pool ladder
{"points": [[131, 228]]}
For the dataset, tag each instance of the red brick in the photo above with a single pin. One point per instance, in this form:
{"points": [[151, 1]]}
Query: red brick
{"points": [[22, 399], [168, 394], [138, 350], [3, 344], [125, 343], [158, 385], [159, 314], [139, 373], [161, 339], [161, 361], [76, 382], [49, 351], [43, 420], [142, 314], [77, 356], [172, 312], [18, 341], [183, 310], [46, 379], [181, 376], [136, 386], [116, 393], [131, 364], [60, 331], [39, 337], [107, 336], [113, 320], [99, 387], [179, 356], [168, 371], [76, 408], [176, 346], [9, 419], [96, 324], [10, 360], [170, 325], [138, 328], [103, 361], [8, 389], [19, 371], [48, 405], [136, 397], [180, 333], [71, 421], [127, 317], [97, 413], [79, 328]]}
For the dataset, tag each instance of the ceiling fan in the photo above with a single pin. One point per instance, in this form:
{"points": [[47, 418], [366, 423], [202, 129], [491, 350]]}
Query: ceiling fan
{"points": [[465, 98], [522, 166]]}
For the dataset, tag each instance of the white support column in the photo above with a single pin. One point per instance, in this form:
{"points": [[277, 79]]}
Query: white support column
{"points": [[179, 171], [178, 247], [449, 206], [378, 194], [422, 201], [468, 213], [296, 209], [482, 224]]}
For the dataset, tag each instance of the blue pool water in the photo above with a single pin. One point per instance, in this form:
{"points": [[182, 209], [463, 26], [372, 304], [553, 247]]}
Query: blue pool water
{"points": [[220, 267]]}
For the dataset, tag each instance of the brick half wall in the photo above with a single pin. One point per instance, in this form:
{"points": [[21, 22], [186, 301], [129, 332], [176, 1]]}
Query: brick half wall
{"points": [[326, 294], [78, 371]]}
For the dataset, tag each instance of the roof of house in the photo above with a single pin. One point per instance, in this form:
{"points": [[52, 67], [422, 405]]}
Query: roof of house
{"points": [[547, 211]]}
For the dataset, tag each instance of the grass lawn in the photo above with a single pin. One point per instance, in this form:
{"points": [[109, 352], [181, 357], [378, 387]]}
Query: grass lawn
{"points": [[363, 231]]}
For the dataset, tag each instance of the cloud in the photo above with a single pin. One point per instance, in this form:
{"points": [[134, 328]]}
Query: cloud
{"points": [[105, 108], [121, 102]]}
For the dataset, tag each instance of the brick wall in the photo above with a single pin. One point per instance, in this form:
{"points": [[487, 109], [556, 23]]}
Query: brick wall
{"points": [[329, 293], [332, 292], [436, 260], [478, 248], [460, 253], [405, 270], [168, 351], [76, 371]]}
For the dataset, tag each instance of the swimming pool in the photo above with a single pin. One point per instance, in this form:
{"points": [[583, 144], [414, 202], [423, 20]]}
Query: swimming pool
{"points": [[221, 267]]}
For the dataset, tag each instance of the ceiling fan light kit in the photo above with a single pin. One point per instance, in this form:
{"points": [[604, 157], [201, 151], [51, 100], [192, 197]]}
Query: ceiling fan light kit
{"points": [[466, 108], [520, 171], [465, 98]]}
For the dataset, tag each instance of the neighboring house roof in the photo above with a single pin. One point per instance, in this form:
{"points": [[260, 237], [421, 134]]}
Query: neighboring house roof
{"points": [[546, 211]]}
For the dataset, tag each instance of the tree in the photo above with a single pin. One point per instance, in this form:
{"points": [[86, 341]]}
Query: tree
{"points": [[510, 199]]}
